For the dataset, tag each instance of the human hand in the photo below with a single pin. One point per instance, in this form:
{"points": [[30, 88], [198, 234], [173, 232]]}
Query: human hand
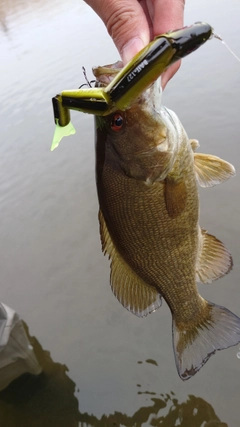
{"points": [[133, 23]]}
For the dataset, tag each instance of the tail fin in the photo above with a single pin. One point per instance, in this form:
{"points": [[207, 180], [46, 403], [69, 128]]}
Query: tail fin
{"points": [[194, 346]]}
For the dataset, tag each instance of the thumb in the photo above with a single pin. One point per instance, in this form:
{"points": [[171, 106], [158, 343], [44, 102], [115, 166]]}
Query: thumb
{"points": [[126, 24]]}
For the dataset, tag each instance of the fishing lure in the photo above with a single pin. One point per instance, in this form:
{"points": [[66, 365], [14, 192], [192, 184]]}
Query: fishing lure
{"points": [[131, 81]]}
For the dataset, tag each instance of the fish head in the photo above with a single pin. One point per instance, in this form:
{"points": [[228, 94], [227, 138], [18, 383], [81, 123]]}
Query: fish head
{"points": [[144, 138]]}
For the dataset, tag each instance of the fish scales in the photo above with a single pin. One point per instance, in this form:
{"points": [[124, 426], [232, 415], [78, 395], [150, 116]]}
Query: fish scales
{"points": [[142, 230], [147, 180], [147, 175]]}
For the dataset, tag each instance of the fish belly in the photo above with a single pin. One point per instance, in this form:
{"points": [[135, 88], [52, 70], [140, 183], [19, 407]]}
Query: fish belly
{"points": [[161, 250]]}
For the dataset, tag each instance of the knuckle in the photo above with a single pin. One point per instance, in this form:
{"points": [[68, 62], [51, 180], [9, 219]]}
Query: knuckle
{"points": [[120, 23]]}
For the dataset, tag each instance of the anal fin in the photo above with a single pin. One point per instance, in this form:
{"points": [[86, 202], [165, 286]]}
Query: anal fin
{"points": [[214, 259], [211, 170], [131, 291]]}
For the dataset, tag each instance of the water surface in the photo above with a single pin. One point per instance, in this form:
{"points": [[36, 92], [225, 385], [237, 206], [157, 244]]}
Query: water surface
{"points": [[52, 270]]}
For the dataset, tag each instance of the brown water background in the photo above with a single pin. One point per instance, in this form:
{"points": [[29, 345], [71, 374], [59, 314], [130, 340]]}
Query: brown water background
{"points": [[52, 271]]}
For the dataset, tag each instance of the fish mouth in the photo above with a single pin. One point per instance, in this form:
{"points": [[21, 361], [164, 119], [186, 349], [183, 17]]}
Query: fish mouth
{"points": [[105, 74], [148, 99]]}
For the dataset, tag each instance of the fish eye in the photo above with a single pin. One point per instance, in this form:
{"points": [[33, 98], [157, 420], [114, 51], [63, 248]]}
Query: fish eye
{"points": [[117, 122]]}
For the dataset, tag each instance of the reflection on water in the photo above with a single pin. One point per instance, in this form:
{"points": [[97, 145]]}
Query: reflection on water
{"points": [[49, 400], [16, 353]]}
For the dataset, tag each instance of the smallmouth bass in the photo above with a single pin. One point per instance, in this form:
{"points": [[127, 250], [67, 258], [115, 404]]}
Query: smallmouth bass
{"points": [[148, 172]]}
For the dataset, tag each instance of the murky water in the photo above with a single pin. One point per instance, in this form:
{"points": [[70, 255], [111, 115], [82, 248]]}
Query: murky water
{"points": [[106, 367]]}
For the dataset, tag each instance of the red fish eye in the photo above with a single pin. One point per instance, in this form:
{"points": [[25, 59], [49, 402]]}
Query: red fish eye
{"points": [[117, 122]]}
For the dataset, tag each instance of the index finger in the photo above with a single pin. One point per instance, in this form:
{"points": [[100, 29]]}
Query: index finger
{"points": [[167, 15]]}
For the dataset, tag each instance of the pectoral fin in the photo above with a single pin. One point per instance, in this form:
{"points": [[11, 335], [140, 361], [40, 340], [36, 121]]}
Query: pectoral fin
{"points": [[214, 259], [175, 197], [211, 170], [131, 291]]}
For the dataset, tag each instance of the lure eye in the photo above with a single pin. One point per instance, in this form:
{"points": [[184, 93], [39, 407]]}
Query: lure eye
{"points": [[117, 122]]}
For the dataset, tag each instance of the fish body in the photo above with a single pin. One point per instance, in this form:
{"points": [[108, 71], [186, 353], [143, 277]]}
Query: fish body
{"points": [[147, 180]]}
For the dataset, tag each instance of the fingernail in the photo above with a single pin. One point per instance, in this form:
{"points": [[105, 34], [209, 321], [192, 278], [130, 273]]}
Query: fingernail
{"points": [[131, 49]]}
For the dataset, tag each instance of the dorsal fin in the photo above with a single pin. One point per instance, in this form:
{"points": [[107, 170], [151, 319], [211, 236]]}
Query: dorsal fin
{"points": [[214, 260], [211, 170], [175, 197], [194, 144], [131, 291]]}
